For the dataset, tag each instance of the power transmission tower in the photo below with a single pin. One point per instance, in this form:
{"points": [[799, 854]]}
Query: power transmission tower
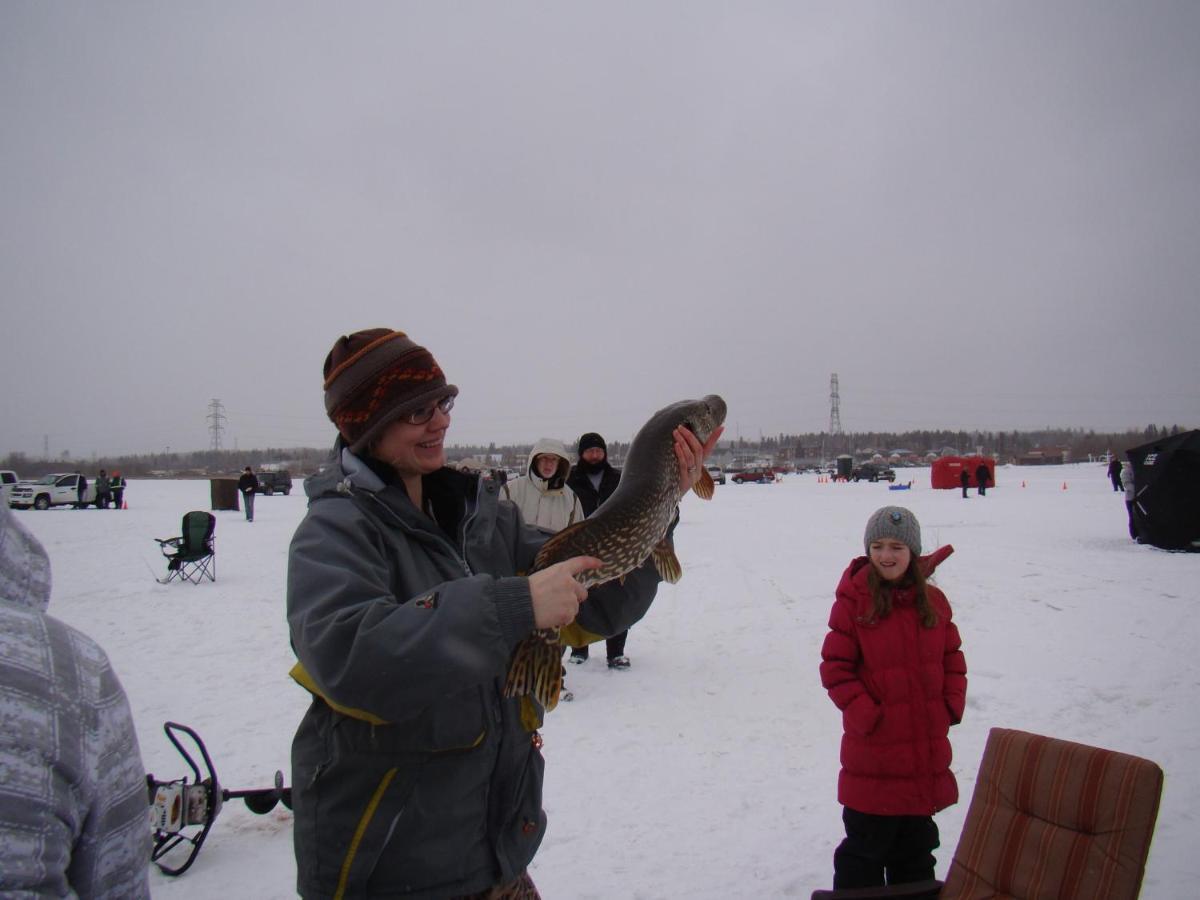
{"points": [[835, 411], [216, 416]]}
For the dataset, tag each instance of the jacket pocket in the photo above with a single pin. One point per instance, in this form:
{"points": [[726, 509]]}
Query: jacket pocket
{"points": [[523, 821], [458, 723], [862, 716]]}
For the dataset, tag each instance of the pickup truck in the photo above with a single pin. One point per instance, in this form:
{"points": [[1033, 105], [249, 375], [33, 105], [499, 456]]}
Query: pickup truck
{"points": [[8, 480], [51, 490]]}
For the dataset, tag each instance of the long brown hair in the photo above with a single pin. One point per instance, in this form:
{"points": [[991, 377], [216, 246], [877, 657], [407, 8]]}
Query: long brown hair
{"points": [[881, 592]]}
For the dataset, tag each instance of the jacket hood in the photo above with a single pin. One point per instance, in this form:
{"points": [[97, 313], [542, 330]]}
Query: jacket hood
{"points": [[854, 579], [556, 448], [344, 471], [24, 565]]}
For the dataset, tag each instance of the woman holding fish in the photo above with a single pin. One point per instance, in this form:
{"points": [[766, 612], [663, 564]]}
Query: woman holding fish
{"points": [[413, 773]]}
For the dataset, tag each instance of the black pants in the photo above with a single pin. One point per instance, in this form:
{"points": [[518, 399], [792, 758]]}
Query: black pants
{"points": [[614, 647], [982, 488], [964, 492], [1132, 526], [882, 850], [118, 499]]}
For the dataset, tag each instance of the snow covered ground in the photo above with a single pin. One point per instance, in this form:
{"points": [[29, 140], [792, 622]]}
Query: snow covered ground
{"points": [[709, 768]]}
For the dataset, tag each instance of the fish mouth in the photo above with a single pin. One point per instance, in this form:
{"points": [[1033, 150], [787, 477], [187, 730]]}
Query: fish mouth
{"points": [[707, 418]]}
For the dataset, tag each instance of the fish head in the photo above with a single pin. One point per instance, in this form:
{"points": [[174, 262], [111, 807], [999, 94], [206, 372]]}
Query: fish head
{"points": [[704, 416]]}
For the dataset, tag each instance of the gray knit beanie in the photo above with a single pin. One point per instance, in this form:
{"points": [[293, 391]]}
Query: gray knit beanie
{"points": [[896, 523]]}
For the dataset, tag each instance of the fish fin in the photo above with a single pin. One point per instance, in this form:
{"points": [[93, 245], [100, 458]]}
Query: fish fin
{"points": [[704, 488], [575, 635], [536, 669], [546, 556], [666, 561]]}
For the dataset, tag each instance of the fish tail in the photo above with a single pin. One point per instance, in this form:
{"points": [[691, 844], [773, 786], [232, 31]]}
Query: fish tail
{"points": [[536, 669]]}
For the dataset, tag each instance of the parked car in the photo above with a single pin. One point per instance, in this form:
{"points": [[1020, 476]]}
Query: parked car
{"points": [[717, 473], [8, 478], [270, 482], [757, 476], [59, 489], [872, 472]]}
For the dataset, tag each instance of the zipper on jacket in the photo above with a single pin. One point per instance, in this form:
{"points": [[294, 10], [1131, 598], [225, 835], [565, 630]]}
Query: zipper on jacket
{"points": [[429, 536]]}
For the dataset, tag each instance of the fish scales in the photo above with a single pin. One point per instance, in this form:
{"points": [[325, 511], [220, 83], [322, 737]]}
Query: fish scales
{"points": [[623, 532]]}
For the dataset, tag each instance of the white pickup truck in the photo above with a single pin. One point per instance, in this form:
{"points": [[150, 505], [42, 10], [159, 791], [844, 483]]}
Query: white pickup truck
{"points": [[51, 490], [8, 480]]}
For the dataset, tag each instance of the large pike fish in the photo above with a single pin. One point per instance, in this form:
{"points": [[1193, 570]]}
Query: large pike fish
{"points": [[628, 527]]}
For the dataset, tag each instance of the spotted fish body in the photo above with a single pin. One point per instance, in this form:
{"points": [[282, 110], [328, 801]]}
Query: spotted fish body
{"points": [[628, 527]]}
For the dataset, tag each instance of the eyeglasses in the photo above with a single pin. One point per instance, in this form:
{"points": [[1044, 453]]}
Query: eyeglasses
{"points": [[425, 413]]}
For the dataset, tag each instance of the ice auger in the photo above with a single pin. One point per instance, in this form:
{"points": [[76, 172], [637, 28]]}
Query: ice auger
{"points": [[183, 812]]}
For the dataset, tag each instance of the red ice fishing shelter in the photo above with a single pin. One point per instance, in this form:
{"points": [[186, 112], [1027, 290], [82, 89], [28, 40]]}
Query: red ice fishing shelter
{"points": [[946, 471]]}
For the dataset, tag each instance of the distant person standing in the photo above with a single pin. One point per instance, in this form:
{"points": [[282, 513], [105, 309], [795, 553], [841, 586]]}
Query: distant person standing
{"points": [[541, 493], [964, 478], [544, 499], [1115, 473], [982, 476], [117, 484], [81, 490], [593, 479], [1130, 493], [248, 485], [103, 490]]}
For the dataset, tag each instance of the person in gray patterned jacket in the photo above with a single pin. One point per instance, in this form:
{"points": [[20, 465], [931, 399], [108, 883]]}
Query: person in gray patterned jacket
{"points": [[73, 799], [412, 774]]}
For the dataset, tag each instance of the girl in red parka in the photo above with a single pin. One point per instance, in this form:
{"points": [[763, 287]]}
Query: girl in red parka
{"points": [[892, 664]]}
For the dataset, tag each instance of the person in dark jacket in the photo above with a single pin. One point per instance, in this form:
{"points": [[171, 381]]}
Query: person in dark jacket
{"points": [[983, 476], [1114, 473], [964, 478], [103, 490], [892, 662], [412, 774], [593, 479], [80, 490], [248, 485]]}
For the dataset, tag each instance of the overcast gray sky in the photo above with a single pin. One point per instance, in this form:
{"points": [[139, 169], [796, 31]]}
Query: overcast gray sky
{"points": [[980, 215]]}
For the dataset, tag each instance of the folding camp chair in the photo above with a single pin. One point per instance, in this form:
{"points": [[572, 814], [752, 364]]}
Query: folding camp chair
{"points": [[192, 556], [1049, 818]]}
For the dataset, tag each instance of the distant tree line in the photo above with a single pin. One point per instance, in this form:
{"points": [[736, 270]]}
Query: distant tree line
{"points": [[1004, 445]]}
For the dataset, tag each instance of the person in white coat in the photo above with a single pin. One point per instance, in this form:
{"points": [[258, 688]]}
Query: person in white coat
{"points": [[541, 493], [1130, 495]]}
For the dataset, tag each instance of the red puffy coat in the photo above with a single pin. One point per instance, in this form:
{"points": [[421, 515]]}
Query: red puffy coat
{"points": [[899, 686]]}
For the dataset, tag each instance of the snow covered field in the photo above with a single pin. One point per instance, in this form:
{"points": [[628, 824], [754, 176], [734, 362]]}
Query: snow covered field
{"points": [[709, 768]]}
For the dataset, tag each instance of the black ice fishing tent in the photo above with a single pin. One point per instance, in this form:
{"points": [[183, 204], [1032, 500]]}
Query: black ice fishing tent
{"points": [[1166, 475]]}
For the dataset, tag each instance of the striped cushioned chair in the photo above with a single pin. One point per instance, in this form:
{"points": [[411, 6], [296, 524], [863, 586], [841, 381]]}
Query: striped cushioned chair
{"points": [[1051, 818]]}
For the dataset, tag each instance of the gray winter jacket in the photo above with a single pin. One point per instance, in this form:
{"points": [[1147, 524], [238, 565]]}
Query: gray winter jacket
{"points": [[73, 800], [412, 775]]}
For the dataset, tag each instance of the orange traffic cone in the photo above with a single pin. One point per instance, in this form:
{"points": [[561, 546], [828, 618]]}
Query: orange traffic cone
{"points": [[124, 504]]}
